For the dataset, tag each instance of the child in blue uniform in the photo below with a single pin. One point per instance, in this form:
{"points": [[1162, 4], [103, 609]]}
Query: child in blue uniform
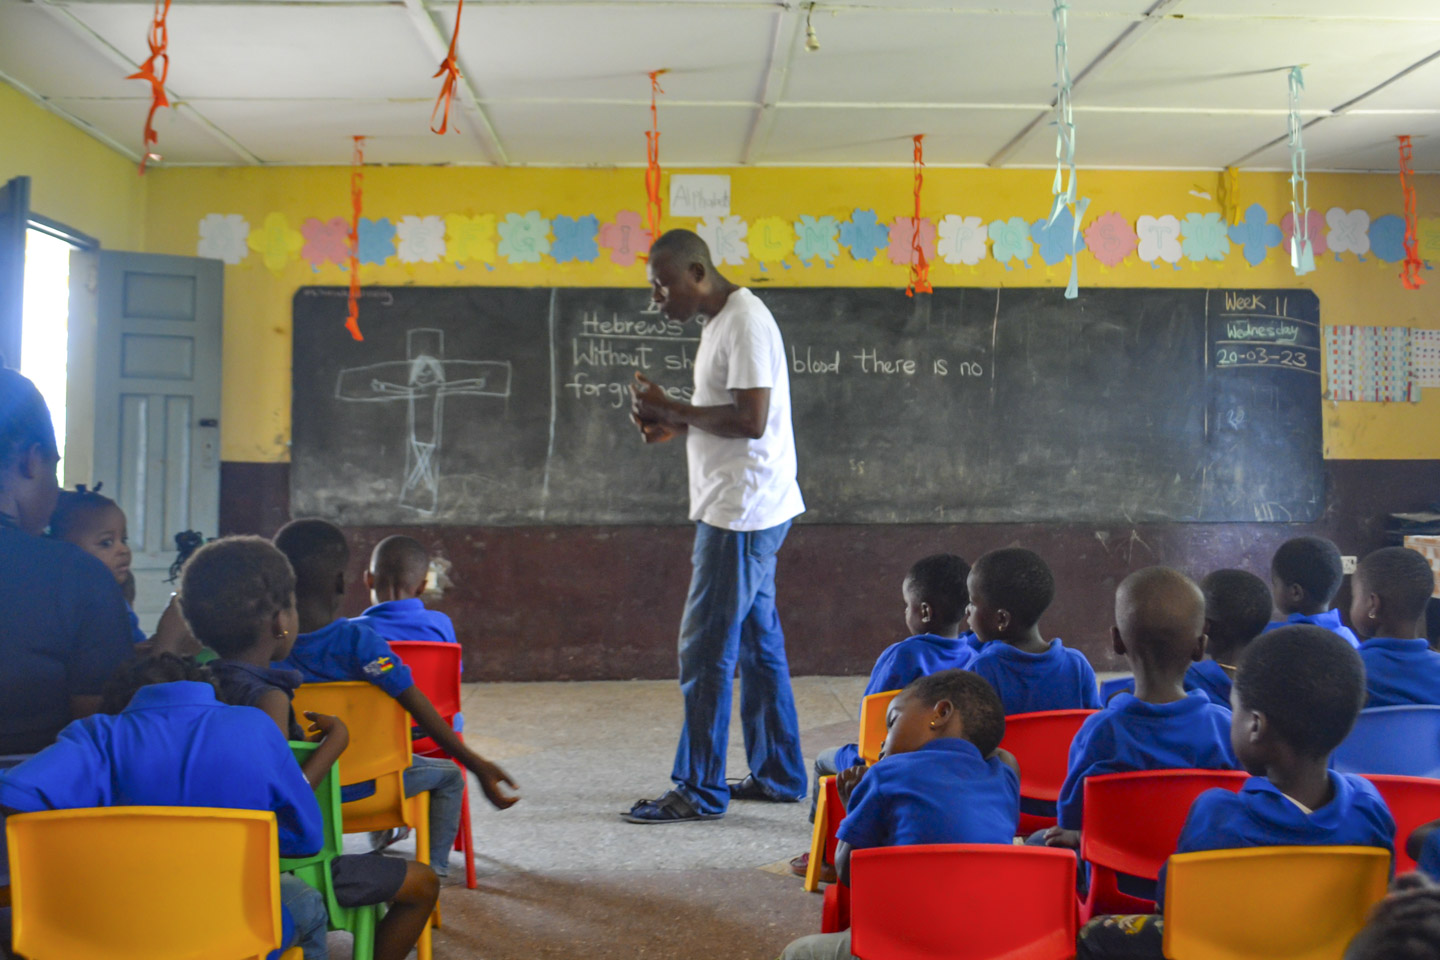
{"points": [[1297, 693], [332, 648], [1305, 575], [1403, 926], [1237, 610], [399, 567], [941, 778], [1159, 624], [176, 745], [1389, 592], [935, 601], [1009, 590]]}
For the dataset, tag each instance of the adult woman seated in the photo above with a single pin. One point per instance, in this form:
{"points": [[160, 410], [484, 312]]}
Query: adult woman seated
{"points": [[63, 620]]}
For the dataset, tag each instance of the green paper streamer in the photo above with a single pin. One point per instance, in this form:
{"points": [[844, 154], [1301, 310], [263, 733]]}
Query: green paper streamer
{"points": [[1064, 192], [1302, 252]]}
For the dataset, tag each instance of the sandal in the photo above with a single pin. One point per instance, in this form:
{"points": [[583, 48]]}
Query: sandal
{"points": [[751, 789], [670, 808]]}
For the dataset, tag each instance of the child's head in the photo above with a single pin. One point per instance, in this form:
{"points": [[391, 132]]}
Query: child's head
{"points": [[95, 524], [951, 703], [147, 671], [319, 554], [238, 593], [1403, 926], [28, 454], [935, 594], [1305, 575], [1009, 590], [1390, 591], [1159, 623], [1298, 690], [1238, 605], [398, 570]]}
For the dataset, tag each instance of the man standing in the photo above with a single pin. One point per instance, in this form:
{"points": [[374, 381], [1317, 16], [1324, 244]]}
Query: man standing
{"points": [[743, 495]]}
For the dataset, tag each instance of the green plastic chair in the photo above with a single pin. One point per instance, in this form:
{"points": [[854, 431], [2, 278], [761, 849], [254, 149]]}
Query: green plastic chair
{"points": [[315, 870]]}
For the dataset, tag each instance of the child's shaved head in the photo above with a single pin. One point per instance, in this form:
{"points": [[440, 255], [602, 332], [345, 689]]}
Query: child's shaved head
{"points": [[400, 563], [1160, 614]]}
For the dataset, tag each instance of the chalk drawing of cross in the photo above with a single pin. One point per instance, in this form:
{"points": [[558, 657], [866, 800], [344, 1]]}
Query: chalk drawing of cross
{"points": [[423, 380]]}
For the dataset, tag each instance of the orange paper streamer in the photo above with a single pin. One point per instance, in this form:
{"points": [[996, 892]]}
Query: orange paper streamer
{"points": [[919, 266], [357, 177], [1410, 276], [652, 160], [159, 41], [450, 70]]}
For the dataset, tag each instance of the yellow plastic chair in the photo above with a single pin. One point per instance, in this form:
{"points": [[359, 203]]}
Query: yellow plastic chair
{"points": [[1296, 903], [872, 723], [379, 751], [145, 883]]}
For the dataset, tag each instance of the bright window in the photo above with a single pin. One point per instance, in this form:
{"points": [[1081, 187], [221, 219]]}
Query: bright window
{"points": [[44, 345]]}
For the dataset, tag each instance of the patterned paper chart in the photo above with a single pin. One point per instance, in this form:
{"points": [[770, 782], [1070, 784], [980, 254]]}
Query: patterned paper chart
{"points": [[1369, 363], [1425, 357]]}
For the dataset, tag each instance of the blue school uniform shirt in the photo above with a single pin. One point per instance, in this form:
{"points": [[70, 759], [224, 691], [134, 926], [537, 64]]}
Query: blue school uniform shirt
{"points": [[1210, 678], [1429, 861], [139, 635], [1130, 734], [406, 620], [945, 792], [1330, 620], [903, 662], [1261, 816], [1058, 679], [972, 641], [348, 650], [1400, 672]]}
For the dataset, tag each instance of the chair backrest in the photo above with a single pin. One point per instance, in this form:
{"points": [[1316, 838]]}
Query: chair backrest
{"points": [[144, 883], [1413, 801], [379, 726], [1041, 743], [873, 710], [1133, 820], [436, 667], [328, 795], [1403, 741], [962, 901], [1300, 903]]}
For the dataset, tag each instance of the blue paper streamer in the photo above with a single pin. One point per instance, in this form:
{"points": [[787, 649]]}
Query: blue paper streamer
{"points": [[1302, 253], [1065, 194]]}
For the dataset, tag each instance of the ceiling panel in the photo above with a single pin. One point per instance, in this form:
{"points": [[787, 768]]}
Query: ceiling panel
{"points": [[42, 53], [1419, 90], [1363, 142], [181, 139], [1155, 140], [689, 135], [1310, 9], [840, 135]]}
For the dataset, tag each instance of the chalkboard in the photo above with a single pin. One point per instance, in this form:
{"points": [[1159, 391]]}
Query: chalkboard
{"points": [[486, 405]]}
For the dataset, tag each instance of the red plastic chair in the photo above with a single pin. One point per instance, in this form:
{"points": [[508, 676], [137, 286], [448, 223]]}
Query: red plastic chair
{"points": [[1041, 743], [436, 667], [962, 902], [1413, 801], [1132, 825]]}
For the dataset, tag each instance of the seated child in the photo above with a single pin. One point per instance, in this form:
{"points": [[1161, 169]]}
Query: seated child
{"points": [[331, 648], [239, 598], [1009, 590], [941, 779], [1305, 575], [1432, 623], [96, 524], [1297, 693], [173, 744], [1237, 610], [1159, 624], [1390, 589], [1403, 926], [398, 570]]}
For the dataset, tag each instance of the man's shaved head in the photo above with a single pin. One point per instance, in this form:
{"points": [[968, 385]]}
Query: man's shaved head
{"points": [[1160, 614], [682, 247], [683, 280], [401, 563]]}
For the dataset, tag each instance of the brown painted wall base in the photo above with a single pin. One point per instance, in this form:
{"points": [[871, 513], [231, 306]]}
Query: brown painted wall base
{"points": [[604, 603]]}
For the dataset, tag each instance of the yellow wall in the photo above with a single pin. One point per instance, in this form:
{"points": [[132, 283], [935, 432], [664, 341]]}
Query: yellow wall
{"points": [[257, 301]]}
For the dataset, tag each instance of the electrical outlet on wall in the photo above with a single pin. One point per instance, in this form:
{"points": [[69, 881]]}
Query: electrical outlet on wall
{"points": [[1347, 564]]}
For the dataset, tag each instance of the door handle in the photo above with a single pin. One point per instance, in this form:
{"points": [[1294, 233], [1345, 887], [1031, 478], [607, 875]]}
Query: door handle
{"points": [[209, 422]]}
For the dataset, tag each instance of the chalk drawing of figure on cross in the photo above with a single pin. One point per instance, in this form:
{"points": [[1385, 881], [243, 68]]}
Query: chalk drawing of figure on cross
{"points": [[424, 379]]}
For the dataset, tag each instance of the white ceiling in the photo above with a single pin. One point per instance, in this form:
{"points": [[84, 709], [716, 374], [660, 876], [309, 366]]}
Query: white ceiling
{"points": [[1160, 83]]}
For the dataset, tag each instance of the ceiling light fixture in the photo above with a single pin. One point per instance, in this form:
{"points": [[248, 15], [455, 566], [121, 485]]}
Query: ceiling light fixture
{"points": [[812, 42]]}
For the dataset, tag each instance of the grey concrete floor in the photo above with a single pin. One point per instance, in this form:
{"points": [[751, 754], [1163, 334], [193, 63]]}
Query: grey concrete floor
{"points": [[562, 876]]}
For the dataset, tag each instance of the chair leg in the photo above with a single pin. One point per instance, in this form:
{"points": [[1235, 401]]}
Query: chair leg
{"points": [[364, 933], [817, 841], [425, 948], [465, 842]]}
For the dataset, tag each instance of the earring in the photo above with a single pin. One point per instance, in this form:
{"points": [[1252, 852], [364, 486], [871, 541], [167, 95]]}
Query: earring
{"points": [[282, 634]]}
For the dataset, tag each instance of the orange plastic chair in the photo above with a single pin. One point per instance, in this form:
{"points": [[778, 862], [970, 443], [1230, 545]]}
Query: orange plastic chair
{"points": [[873, 710], [436, 667], [379, 750], [962, 902], [1041, 743], [829, 811], [1132, 825], [145, 883], [1413, 801], [1300, 903]]}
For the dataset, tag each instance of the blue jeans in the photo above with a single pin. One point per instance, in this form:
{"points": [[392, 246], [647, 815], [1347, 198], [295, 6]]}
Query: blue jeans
{"points": [[730, 618], [446, 783], [306, 907]]}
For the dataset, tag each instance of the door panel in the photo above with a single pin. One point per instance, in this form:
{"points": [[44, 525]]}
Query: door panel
{"points": [[14, 221]]}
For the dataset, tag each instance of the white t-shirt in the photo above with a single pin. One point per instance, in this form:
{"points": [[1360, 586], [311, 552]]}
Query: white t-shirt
{"points": [[737, 483]]}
